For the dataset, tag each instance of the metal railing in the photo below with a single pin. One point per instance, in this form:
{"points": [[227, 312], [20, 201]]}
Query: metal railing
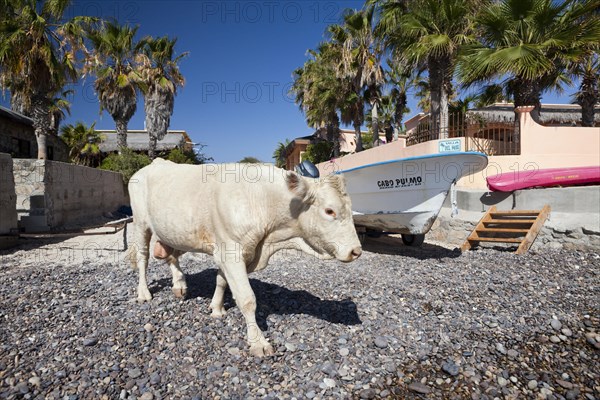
{"points": [[496, 137]]}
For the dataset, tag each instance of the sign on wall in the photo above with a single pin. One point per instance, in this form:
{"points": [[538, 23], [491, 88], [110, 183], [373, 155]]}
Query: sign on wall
{"points": [[449, 146]]}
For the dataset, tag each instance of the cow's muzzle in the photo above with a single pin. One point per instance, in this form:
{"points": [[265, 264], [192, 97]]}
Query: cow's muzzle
{"points": [[354, 254]]}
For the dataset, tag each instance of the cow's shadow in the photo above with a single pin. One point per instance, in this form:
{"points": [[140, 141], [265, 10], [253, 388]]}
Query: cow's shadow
{"points": [[270, 299]]}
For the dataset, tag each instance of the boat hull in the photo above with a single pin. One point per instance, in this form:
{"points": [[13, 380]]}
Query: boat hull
{"points": [[406, 195], [511, 181]]}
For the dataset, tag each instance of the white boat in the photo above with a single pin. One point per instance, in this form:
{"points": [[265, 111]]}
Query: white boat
{"points": [[405, 195]]}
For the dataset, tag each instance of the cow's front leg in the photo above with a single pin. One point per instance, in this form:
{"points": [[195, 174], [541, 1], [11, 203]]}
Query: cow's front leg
{"points": [[218, 309], [237, 278], [179, 283]]}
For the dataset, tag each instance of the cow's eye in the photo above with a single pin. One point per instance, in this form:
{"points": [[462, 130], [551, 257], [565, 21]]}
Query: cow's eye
{"points": [[330, 212]]}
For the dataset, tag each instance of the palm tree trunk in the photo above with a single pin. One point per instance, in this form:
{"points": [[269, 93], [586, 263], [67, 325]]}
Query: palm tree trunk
{"points": [[121, 134], [439, 81], [41, 124], [358, 134], [336, 140], [152, 147], [527, 93], [587, 98], [375, 123]]}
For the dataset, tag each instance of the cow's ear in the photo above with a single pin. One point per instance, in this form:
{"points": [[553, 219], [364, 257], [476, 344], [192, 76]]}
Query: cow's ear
{"points": [[337, 182], [297, 185]]}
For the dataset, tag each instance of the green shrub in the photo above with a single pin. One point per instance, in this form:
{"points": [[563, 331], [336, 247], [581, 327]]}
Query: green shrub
{"points": [[182, 157], [319, 152], [127, 163], [188, 157]]}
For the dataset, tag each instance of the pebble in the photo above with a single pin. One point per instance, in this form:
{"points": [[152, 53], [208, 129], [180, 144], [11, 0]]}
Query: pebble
{"points": [[92, 341], [554, 339], [556, 324], [290, 347], [336, 334], [450, 368], [368, 394], [567, 332], [134, 373], [532, 384], [565, 384], [419, 388], [330, 383], [381, 342], [35, 380]]}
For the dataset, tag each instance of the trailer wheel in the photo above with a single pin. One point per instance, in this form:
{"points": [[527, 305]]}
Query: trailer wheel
{"points": [[413, 240]]}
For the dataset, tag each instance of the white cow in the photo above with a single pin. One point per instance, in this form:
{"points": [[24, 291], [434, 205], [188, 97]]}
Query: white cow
{"points": [[241, 214]]}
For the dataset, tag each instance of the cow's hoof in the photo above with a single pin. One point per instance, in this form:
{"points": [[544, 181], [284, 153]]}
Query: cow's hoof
{"points": [[142, 299], [180, 293], [261, 349], [218, 312], [144, 295]]}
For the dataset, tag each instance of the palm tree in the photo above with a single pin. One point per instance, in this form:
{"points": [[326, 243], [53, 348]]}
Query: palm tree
{"points": [[83, 143], [159, 79], [280, 153], [427, 35], [59, 108], [360, 66], [588, 96], [529, 43], [318, 91], [112, 61], [399, 78], [37, 56]]}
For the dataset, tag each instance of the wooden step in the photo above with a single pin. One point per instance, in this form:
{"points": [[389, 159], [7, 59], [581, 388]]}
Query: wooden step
{"points": [[509, 221], [513, 213], [495, 239], [503, 230], [497, 226]]}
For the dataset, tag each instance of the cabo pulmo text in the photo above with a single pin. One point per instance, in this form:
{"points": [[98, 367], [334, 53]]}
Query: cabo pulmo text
{"points": [[399, 182]]}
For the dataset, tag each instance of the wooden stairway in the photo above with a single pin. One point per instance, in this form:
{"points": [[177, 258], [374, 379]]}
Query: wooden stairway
{"points": [[516, 226]]}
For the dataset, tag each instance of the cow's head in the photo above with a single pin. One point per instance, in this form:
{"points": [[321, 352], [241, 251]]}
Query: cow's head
{"points": [[324, 213]]}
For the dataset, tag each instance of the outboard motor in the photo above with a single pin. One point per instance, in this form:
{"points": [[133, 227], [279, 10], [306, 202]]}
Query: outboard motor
{"points": [[308, 169]]}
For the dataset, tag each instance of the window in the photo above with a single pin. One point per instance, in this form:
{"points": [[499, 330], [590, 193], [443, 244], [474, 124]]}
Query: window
{"points": [[50, 152], [21, 148]]}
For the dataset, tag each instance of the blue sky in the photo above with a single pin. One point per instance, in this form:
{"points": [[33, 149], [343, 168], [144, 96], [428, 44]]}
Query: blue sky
{"points": [[238, 71]]}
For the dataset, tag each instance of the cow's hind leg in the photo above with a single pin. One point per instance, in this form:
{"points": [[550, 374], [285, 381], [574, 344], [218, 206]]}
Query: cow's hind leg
{"points": [[218, 310], [139, 257], [179, 283]]}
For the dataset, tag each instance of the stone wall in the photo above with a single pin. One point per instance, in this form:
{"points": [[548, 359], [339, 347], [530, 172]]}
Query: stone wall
{"points": [[8, 202], [569, 231], [52, 195]]}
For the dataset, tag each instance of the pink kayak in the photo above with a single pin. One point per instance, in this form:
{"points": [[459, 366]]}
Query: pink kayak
{"points": [[515, 180]]}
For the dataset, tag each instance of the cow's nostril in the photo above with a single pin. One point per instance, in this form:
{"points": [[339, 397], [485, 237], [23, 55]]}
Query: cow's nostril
{"points": [[356, 252]]}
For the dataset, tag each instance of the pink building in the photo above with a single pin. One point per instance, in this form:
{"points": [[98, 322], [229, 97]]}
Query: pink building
{"points": [[531, 146]]}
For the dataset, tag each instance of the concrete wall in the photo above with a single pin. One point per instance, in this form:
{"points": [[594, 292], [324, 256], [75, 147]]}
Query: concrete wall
{"points": [[53, 195], [8, 202]]}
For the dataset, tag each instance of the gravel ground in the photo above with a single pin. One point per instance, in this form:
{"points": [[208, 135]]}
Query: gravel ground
{"points": [[398, 323]]}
